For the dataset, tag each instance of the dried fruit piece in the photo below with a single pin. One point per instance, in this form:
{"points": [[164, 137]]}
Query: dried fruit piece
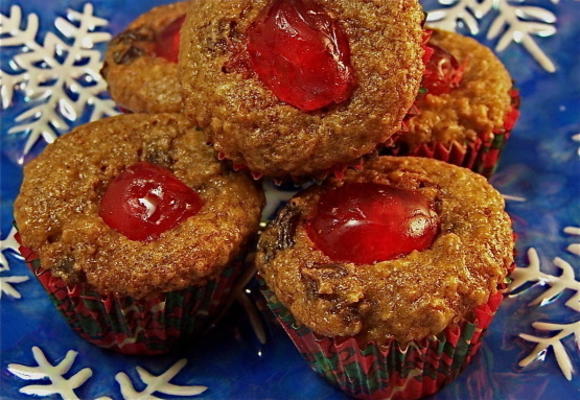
{"points": [[302, 54], [365, 223], [147, 200]]}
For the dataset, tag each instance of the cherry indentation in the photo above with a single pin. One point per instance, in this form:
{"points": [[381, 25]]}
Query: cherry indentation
{"points": [[147, 200], [301, 54], [364, 223], [167, 41], [443, 72]]}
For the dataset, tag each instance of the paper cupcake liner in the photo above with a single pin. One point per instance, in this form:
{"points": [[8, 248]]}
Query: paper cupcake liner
{"points": [[389, 371], [149, 326], [481, 156]]}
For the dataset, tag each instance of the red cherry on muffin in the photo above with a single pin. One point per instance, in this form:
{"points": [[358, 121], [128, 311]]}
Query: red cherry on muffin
{"points": [[443, 73], [301, 54], [167, 42], [364, 223], [147, 200]]}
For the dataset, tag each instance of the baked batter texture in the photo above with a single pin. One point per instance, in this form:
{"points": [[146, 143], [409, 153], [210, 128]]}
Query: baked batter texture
{"points": [[405, 299], [57, 211], [250, 126], [139, 81]]}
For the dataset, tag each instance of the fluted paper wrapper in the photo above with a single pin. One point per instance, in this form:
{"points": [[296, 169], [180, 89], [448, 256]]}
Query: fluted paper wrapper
{"points": [[389, 371], [149, 326], [481, 156]]}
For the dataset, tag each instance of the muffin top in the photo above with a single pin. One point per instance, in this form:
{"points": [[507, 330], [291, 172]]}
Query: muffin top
{"points": [[474, 109], [250, 72], [462, 252], [141, 62], [58, 211]]}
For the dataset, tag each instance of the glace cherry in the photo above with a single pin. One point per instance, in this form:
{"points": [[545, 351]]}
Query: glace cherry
{"points": [[167, 42], [146, 200], [301, 54], [443, 73], [365, 223]]}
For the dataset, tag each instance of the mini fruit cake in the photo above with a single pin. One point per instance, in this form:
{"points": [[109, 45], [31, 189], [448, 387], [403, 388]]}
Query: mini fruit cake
{"points": [[135, 230], [386, 280], [141, 63], [292, 88], [470, 107]]}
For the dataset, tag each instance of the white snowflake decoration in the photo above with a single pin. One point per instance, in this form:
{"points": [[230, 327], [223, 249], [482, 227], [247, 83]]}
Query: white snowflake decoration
{"points": [[7, 285], [65, 387], [574, 231], [9, 243], [459, 11], [519, 23], [554, 342], [59, 76], [515, 22], [558, 284], [516, 199], [576, 138], [253, 316], [7, 282], [157, 384]]}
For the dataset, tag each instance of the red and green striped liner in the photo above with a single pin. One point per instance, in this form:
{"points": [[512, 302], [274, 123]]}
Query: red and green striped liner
{"points": [[481, 156], [389, 371], [150, 326]]}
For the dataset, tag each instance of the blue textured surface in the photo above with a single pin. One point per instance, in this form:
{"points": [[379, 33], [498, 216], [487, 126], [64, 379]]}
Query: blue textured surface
{"points": [[541, 164]]}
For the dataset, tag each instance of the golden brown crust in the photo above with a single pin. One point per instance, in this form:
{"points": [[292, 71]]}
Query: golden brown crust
{"points": [[57, 211], [476, 109], [408, 298], [252, 127], [138, 80]]}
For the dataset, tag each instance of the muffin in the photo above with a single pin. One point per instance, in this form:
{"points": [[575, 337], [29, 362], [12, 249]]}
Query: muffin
{"points": [[318, 90], [469, 109], [141, 62], [385, 281], [135, 230]]}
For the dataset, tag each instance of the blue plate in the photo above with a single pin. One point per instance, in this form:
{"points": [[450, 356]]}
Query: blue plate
{"points": [[55, 86]]}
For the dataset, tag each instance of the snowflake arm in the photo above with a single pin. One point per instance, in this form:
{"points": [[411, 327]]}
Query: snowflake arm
{"points": [[7, 84], [14, 36], [10, 25], [517, 199], [65, 387], [467, 11], [554, 342], [7, 288], [7, 283], [253, 316], [157, 384], [522, 22], [576, 138], [558, 284], [574, 231], [9, 243], [47, 72]]}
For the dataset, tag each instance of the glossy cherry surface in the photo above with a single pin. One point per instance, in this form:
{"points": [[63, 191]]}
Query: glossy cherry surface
{"points": [[443, 72], [167, 42], [301, 54], [147, 200], [365, 223]]}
